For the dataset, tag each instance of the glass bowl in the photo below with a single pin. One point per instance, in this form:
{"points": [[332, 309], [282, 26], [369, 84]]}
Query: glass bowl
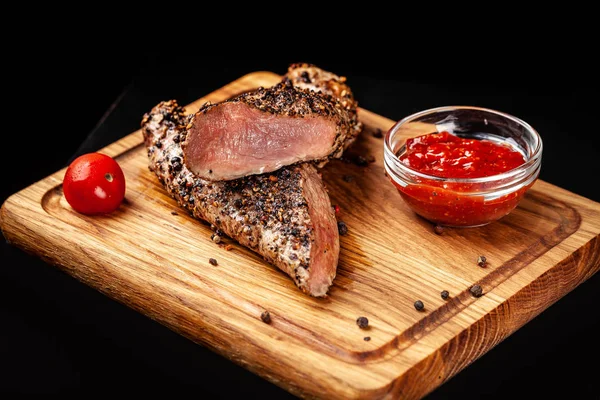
{"points": [[464, 202]]}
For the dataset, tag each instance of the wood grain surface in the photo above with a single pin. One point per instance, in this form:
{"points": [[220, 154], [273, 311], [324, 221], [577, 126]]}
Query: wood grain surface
{"points": [[153, 257]]}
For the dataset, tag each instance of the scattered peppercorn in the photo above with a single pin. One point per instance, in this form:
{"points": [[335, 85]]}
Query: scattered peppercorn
{"points": [[419, 306], [342, 228], [362, 322], [476, 290], [367, 338], [215, 238], [212, 261], [378, 133], [336, 209], [445, 294], [438, 229], [174, 213], [361, 161], [266, 317], [348, 178], [481, 261]]}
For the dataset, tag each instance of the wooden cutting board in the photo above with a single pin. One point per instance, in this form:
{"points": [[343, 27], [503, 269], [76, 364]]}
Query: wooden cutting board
{"points": [[157, 263]]}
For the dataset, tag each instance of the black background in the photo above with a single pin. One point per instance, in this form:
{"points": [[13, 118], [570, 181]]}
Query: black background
{"points": [[58, 336]]}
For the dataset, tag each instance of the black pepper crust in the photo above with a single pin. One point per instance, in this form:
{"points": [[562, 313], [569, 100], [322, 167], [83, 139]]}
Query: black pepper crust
{"points": [[287, 100], [267, 213], [311, 77]]}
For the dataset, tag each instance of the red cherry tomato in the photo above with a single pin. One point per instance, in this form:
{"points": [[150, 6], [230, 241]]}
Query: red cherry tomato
{"points": [[94, 184]]}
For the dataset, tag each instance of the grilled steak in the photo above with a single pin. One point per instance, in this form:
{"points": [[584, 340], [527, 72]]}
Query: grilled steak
{"points": [[309, 116], [285, 216]]}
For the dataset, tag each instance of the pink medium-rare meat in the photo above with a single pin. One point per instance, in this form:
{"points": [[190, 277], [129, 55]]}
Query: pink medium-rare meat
{"points": [[309, 116], [261, 131], [285, 216]]}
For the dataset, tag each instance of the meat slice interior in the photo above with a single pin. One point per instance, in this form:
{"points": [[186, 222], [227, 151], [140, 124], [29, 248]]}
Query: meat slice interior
{"points": [[235, 139], [310, 116]]}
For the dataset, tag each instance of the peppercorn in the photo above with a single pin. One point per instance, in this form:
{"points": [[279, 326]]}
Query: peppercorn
{"points": [[342, 228], [174, 213], [419, 306], [266, 317], [361, 161], [362, 322], [445, 294], [367, 338], [212, 261], [476, 290], [481, 261], [215, 238], [378, 133], [438, 229]]}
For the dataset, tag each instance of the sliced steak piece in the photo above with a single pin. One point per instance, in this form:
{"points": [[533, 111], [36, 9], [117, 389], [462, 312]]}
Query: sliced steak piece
{"points": [[285, 216], [263, 130]]}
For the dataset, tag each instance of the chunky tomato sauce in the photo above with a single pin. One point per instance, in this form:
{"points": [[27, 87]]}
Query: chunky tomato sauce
{"points": [[448, 156]]}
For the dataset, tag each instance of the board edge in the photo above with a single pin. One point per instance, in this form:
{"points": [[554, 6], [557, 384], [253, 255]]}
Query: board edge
{"points": [[433, 366]]}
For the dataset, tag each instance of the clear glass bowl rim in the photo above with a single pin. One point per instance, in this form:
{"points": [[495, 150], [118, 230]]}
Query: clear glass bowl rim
{"points": [[398, 165]]}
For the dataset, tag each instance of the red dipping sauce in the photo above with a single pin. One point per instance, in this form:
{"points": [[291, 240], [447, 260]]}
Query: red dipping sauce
{"points": [[452, 202], [449, 156]]}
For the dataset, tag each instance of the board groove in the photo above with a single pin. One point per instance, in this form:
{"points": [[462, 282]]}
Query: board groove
{"points": [[155, 262]]}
